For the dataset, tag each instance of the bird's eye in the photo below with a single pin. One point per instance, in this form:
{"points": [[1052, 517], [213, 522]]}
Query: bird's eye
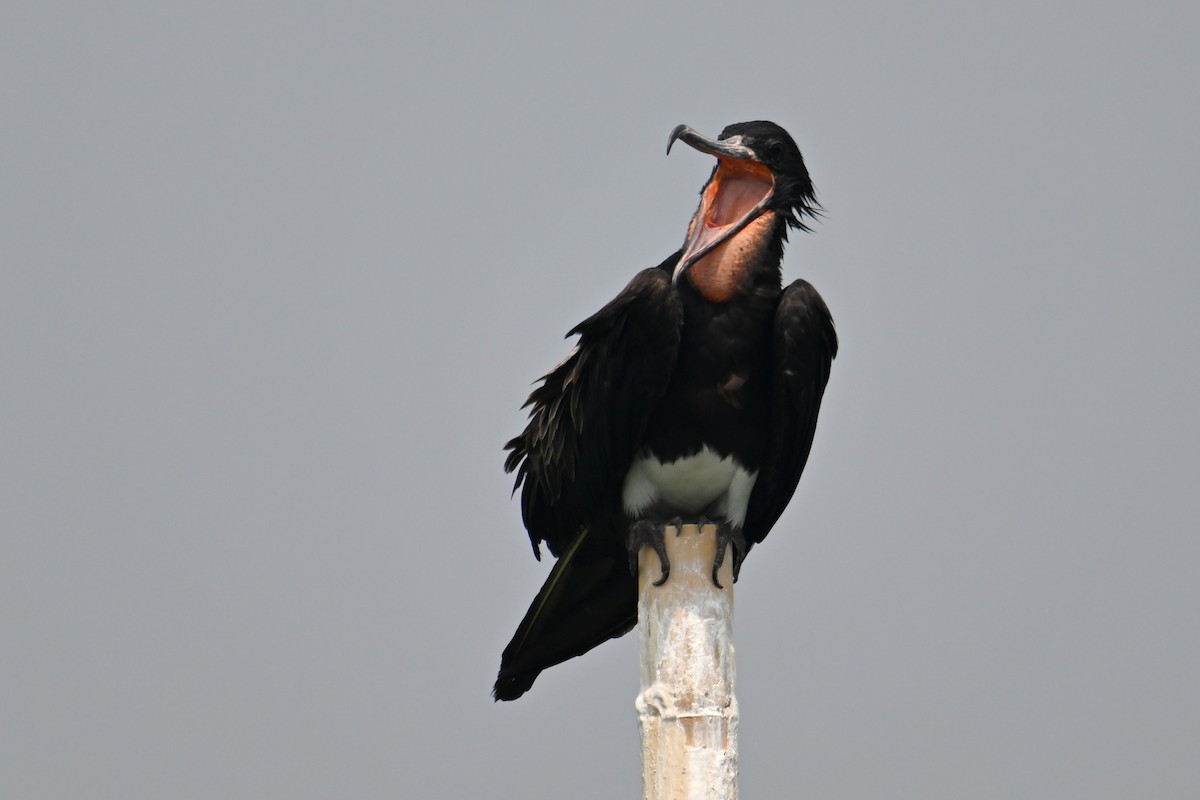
{"points": [[775, 150]]}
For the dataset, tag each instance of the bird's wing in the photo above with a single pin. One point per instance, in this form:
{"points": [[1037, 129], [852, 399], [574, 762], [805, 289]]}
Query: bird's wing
{"points": [[805, 345], [589, 413]]}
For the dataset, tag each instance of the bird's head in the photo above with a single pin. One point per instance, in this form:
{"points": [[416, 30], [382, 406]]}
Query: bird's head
{"points": [[759, 170]]}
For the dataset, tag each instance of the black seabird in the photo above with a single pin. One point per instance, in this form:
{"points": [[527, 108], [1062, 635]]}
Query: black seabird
{"points": [[694, 393]]}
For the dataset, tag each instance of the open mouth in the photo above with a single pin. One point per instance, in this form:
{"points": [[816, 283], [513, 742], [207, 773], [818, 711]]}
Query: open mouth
{"points": [[736, 190], [737, 193]]}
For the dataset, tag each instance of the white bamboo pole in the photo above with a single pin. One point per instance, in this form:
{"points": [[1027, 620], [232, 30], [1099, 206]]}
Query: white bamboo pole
{"points": [[687, 708]]}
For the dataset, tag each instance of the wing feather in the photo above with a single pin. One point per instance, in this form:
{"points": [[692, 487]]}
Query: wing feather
{"points": [[804, 349], [588, 415]]}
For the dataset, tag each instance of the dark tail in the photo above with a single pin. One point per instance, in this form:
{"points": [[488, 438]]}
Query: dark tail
{"points": [[588, 599]]}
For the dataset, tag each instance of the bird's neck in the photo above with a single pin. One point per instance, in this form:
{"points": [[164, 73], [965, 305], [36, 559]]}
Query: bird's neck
{"points": [[731, 266]]}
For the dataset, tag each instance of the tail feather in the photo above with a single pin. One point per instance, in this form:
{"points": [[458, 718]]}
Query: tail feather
{"points": [[588, 599]]}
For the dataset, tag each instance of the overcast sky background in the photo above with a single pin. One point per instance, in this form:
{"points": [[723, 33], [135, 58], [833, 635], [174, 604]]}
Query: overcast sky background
{"points": [[275, 279]]}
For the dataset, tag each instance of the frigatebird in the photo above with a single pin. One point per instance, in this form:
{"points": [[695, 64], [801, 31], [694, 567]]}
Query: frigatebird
{"points": [[693, 393]]}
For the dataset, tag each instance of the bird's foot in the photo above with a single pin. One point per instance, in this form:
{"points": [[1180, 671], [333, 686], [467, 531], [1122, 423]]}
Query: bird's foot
{"points": [[727, 534], [644, 532]]}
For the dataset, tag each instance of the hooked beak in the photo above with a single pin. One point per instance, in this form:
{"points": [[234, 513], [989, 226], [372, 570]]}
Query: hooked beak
{"points": [[737, 193]]}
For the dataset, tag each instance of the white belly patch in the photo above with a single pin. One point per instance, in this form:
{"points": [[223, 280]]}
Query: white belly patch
{"points": [[701, 484]]}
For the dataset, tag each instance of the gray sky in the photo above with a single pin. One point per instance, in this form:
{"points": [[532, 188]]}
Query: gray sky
{"points": [[275, 280]]}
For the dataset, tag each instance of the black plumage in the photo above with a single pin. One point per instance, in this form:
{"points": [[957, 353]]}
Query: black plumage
{"points": [[704, 362]]}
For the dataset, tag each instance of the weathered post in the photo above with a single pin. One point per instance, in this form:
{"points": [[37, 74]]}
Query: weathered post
{"points": [[687, 708]]}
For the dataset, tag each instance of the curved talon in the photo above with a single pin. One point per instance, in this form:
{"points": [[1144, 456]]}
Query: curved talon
{"points": [[727, 534], [644, 532]]}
